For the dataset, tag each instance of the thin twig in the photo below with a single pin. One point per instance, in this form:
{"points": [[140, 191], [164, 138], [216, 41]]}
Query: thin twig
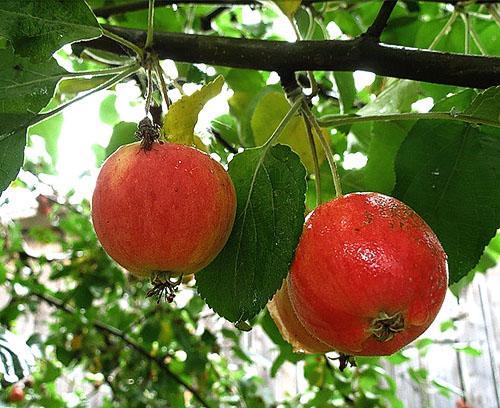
{"points": [[477, 40], [465, 19], [151, 12], [149, 90], [228, 146], [378, 25], [338, 120], [124, 42], [444, 30], [39, 118], [103, 327], [314, 152], [161, 78], [309, 116]]}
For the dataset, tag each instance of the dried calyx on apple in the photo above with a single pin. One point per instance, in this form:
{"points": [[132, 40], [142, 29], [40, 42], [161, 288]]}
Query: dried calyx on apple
{"points": [[369, 276], [162, 210]]}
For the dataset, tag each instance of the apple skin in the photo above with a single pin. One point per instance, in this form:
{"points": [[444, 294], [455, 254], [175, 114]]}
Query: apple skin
{"points": [[361, 255], [169, 209], [16, 394], [291, 329]]}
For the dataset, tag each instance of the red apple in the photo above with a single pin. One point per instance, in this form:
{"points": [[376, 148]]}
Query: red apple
{"points": [[16, 393], [169, 209], [369, 275]]}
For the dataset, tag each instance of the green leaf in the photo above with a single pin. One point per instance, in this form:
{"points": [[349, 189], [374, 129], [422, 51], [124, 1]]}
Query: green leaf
{"points": [[379, 172], [182, 116], [288, 7], [270, 188], [489, 259], [107, 110], [247, 86], [487, 104], [123, 133], [49, 130], [11, 158], [347, 90], [266, 117], [446, 389], [471, 351], [38, 28], [386, 137], [453, 41], [397, 97], [449, 173], [26, 86]]}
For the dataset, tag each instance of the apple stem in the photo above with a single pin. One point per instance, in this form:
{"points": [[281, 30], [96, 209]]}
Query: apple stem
{"points": [[314, 153], [311, 119], [149, 90], [160, 74]]}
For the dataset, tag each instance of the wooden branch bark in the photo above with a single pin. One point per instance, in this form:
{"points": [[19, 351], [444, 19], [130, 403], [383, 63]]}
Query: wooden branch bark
{"points": [[363, 53]]}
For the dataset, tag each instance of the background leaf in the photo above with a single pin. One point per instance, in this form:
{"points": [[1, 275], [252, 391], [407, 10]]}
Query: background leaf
{"points": [[266, 117], [123, 133], [288, 7], [487, 104], [269, 218], [49, 130], [11, 158], [182, 116], [37, 28], [26, 86], [347, 90], [450, 174]]}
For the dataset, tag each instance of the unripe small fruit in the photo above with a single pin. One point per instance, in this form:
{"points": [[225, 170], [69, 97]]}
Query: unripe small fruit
{"points": [[16, 393], [168, 209], [369, 275], [281, 311]]}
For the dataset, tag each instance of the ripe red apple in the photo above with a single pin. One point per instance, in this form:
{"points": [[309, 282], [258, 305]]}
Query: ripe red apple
{"points": [[168, 209], [291, 329], [16, 393], [369, 275]]}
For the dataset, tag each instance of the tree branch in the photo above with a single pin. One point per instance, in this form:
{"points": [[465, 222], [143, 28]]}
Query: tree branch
{"points": [[105, 328], [107, 11], [376, 29], [362, 53]]}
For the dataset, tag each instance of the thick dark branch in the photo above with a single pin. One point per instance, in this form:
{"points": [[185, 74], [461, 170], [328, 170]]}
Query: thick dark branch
{"points": [[376, 29], [362, 53], [107, 11], [105, 328]]}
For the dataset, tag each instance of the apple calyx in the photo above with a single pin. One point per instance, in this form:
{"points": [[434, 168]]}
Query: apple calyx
{"points": [[164, 286], [148, 133], [384, 327]]}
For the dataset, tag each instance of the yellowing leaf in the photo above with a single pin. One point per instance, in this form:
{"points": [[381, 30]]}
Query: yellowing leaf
{"points": [[266, 117], [198, 143], [182, 116], [288, 7]]}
